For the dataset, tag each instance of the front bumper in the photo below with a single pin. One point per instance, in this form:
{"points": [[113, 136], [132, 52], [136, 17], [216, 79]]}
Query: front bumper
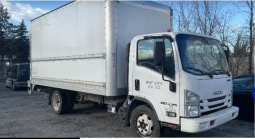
{"points": [[206, 122]]}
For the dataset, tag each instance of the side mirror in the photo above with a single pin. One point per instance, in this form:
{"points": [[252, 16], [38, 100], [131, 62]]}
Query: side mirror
{"points": [[158, 54], [172, 87], [226, 51]]}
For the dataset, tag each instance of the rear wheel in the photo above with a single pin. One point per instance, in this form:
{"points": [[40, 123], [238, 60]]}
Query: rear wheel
{"points": [[59, 102], [144, 122]]}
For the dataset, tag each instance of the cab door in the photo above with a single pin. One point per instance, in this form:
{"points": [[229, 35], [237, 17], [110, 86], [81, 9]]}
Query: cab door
{"points": [[147, 79]]}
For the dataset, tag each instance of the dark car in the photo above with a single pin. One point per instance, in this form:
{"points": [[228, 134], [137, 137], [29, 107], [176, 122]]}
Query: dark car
{"points": [[242, 95], [18, 75]]}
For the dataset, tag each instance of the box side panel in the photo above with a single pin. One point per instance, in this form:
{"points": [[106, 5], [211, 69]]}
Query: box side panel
{"points": [[49, 36], [91, 25], [36, 39], [67, 31], [136, 20], [69, 44], [76, 29], [110, 46]]}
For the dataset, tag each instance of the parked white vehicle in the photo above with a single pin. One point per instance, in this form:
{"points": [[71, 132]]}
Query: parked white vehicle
{"points": [[97, 51]]}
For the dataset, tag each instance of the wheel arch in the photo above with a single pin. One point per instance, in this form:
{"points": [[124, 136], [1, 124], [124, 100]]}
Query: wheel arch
{"points": [[135, 102]]}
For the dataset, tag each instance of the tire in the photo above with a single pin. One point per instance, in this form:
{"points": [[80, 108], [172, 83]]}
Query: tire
{"points": [[14, 88], [59, 102], [144, 122], [70, 105]]}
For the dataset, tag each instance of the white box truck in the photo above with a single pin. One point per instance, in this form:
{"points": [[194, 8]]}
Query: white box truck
{"points": [[110, 52]]}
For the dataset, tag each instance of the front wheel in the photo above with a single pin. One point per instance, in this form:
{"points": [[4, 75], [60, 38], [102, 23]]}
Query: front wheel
{"points": [[144, 122]]}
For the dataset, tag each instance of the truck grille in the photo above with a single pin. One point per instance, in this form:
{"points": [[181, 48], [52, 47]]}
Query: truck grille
{"points": [[212, 104], [216, 99], [217, 105], [209, 112]]}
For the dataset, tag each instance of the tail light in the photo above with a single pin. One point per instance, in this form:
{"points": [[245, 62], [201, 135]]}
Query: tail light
{"points": [[17, 78]]}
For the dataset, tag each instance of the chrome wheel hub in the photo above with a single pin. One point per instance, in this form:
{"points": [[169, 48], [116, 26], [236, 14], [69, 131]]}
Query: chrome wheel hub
{"points": [[145, 125], [56, 102]]}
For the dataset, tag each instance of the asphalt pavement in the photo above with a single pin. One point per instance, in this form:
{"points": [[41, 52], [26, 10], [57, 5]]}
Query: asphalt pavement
{"points": [[24, 115]]}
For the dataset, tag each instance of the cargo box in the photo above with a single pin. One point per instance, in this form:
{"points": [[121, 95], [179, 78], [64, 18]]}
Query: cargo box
{"points": [[82, 46]]}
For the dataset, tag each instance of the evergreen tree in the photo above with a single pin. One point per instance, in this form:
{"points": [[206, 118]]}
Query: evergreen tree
{"points": [[4, 25], [10, 43], [21, 43]]}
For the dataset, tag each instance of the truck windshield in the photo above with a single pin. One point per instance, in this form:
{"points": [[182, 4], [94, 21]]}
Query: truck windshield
{"points": [[200, 55]]}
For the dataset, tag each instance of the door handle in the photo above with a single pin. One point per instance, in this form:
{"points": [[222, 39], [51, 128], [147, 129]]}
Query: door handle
{"points": [[137, 85]]}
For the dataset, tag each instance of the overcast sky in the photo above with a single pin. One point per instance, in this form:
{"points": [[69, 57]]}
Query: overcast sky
{"points": [[28, 10]]}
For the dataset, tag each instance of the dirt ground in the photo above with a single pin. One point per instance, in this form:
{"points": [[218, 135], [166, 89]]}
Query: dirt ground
{"points": [[24, 115]]}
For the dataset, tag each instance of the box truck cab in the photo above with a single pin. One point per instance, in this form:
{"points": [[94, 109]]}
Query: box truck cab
{"points": [[185, 79]]}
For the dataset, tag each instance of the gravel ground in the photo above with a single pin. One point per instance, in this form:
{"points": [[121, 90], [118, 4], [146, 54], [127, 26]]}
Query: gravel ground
{"points": [[24, 115]]}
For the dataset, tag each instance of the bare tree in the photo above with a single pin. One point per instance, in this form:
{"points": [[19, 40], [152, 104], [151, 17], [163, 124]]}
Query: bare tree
{"points": [[247, 7], [183, 17], [207, 14], [250, 5], [238, 63], [225, 31], [186, 19]]}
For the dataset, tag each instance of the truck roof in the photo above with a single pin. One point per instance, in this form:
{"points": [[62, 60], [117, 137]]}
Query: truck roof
{"points": [[180, 32], [151, 5], [52, 11]]}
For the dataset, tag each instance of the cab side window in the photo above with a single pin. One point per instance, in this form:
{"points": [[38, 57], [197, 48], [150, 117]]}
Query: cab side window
{"points": [[145, 50]]}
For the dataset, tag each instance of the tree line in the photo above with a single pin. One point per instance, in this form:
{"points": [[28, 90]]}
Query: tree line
{"points": [[215, 18], [14, 39]]}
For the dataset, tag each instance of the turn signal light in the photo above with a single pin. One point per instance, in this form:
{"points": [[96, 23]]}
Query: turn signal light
{"points": [[172, 126], [168, 30]]}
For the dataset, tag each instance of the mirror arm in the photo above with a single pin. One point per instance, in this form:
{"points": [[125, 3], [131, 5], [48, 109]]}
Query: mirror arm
{"points": [[163, 62], [172, 85]]}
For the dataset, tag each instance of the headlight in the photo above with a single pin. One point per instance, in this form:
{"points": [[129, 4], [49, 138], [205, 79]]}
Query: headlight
{"points": [[193, 111], [192, 104]]}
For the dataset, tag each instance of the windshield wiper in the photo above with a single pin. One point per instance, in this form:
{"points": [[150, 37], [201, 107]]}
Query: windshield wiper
{"points": [[209, 74], [222, 71]]}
